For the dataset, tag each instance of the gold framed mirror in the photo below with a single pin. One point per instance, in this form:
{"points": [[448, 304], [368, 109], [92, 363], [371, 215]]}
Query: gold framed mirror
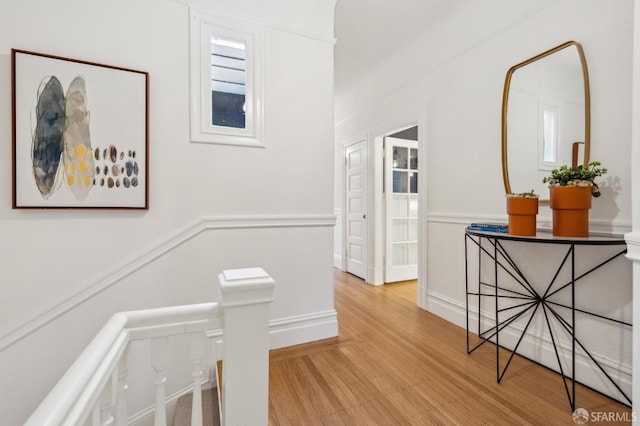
{"points": [[545, 117]]}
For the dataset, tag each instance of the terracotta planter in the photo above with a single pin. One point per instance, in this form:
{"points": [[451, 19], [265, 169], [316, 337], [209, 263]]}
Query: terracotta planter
{"points": [[570, 205], [522, 213]]}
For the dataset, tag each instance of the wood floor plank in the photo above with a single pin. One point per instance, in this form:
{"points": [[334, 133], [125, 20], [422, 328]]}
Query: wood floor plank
{"points": [[395, 364]]}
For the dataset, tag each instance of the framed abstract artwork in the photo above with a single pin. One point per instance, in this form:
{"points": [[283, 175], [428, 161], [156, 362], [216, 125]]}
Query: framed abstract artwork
{"points": [[80, 134]]}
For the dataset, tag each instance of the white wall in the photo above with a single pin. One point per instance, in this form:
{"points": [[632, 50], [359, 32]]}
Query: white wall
{"points": [[212, 207], [454, 74]]}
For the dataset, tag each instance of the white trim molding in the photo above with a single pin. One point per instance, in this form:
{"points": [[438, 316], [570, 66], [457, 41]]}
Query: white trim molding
{"points": [[633, 246], [203, 26], [68, 302], [291, 23]]}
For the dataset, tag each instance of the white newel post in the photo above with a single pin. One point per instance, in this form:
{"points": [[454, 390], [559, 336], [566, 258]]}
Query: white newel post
{"points": [[245, 295]]}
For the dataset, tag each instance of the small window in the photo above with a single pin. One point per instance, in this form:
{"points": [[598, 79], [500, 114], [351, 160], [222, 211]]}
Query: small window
{"points": [[550, 132], [226, 80]]}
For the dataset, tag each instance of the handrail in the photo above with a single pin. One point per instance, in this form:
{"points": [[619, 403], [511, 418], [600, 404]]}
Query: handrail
{"points": [[73, 397], [96, 382]]}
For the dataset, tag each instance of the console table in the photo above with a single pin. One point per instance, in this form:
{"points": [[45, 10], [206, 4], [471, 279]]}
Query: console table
{"points": [[520, 298]]}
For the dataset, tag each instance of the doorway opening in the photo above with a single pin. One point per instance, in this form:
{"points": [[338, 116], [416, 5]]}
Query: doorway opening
{"points": [[400, 206], [383, 231]]}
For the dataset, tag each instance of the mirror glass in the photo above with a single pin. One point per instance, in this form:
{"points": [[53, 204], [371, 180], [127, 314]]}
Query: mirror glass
{"points": [[545, 117]]}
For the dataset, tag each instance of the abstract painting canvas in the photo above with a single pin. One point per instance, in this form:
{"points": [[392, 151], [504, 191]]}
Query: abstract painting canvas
{"points": [[80, 133]]}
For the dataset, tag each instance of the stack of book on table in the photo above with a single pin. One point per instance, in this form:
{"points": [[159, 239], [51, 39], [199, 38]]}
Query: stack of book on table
{"points": [[489, 227]]}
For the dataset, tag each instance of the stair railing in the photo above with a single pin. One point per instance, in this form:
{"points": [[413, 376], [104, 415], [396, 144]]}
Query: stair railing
{"points": [[93, 390]]}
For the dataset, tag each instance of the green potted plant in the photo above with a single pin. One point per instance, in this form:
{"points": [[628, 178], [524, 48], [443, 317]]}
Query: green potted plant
{"points": [[522, 209], [570, 192]]}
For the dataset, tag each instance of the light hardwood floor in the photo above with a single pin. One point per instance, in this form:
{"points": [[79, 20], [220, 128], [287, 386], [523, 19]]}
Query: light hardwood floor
{"points": [[395, 364]]}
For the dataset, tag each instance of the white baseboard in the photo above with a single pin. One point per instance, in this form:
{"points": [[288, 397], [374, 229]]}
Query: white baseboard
{"points": [[337, 261], [446, 308], [303, 329], [540, 349]]}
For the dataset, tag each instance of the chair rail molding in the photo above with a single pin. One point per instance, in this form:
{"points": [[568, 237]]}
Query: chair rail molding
{"points": [[603, 227], [166, 245]]}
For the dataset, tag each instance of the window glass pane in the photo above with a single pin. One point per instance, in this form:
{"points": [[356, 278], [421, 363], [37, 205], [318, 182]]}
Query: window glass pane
{"points": [[413, 160], [400, 254], [413, 182], [399, 206], [413, 206], [400, 230], [413, 230], [400, 182], [228, 110], [400, 157], [228, 82]]}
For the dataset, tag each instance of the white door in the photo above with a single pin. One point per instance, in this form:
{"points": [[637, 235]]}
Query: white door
{"points": [[355, 204], [401, 209]]}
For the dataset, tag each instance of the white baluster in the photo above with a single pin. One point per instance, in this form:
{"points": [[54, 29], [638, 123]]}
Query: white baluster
{"points": [[121, 389], [103, 410], [197, 344], [106, 409], [158, 361]]}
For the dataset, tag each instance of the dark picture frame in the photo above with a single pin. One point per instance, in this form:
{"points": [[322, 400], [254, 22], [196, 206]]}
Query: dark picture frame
{"points": [[80, 134]]}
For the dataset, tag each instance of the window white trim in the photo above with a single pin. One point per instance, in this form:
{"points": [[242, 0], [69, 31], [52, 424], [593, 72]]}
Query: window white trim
{"points": [[202, 26]]}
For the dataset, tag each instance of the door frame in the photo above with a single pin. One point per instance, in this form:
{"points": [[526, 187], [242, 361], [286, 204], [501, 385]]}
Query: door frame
{"points": [[374, 232], [377, 243]]}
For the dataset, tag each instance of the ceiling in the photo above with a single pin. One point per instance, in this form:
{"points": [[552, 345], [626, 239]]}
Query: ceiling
{"points": [[368, 30]]}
